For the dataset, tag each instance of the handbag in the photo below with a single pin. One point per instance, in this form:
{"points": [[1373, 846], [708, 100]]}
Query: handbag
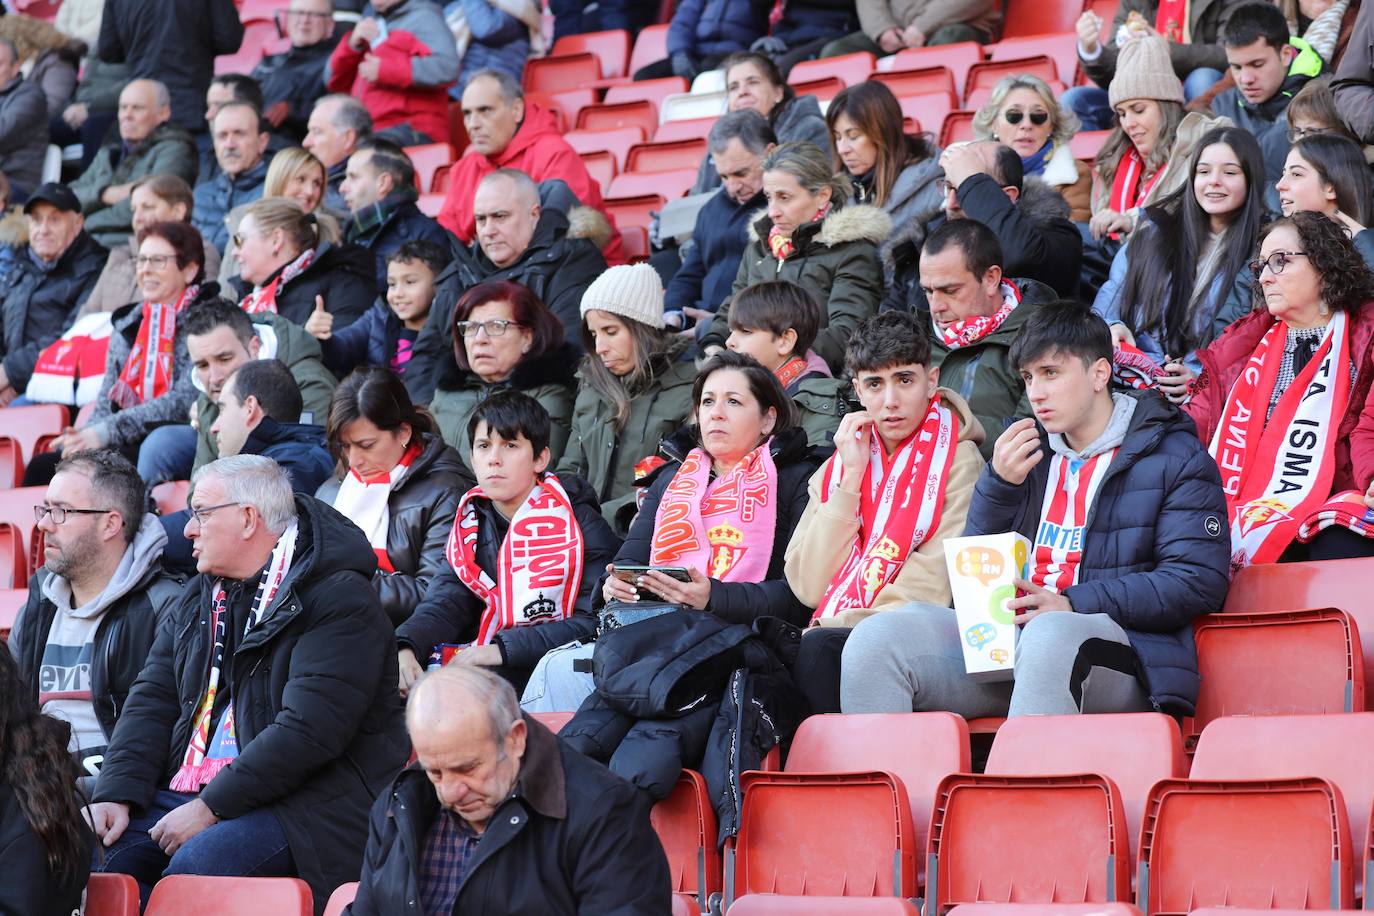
{"points": [[618, 613]]}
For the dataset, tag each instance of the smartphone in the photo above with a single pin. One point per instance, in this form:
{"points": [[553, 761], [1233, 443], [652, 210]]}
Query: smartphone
{"points": [[630, 573]]}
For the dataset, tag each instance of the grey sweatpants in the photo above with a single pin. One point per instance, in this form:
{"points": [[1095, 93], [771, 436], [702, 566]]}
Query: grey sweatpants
{"points": [[910, 659]]}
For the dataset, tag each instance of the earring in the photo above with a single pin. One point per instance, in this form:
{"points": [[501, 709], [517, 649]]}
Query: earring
{"points": [[1323, 309]]}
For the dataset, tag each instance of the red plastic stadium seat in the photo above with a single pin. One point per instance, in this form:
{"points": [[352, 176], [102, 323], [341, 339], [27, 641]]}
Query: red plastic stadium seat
{"points": [[917, 82], [12, 601], [601, 167], [111, 894], [646, 90], [16, 510], [431, 204], [11, 463], [170, 496], [38, 9], [617, 142], [14, 558], [684, 906], [957, 57], [633, 211], [1236, 911], [28, 425], [986, 74], [429, 159], [686, 129], [775, 905], [651, 45], [671, 184], [1061, 48], [824, 89], [612, 49], [642, 114], [564, 105], [958, 127], [1134, 751], [1031, 839], [198, 895], [1282, 843], [977, 98], [1276, 664], [1294, 586], [1086, 144], [1045, 909], [559, 74], [1030, 18], [636, 242], [664, 157], [686, 826], [850, 69], [343, 895], [553, 721], [928, 110]]}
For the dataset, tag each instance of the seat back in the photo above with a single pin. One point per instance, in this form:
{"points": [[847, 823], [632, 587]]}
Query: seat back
{"points": [[670, 184], [690, 106], [849, 69], [777, 905], [642, 114], [16, 510], [556, 74], [27, 425], [824, 88], [111, 894], [567, 103], [1061, 48], [685, 129], [553, 721], [958, 126], [685, 906], [664, 157], [636, 242], [14, 558], [646, 90], [686, 826], [12, 601], [343, 895], [1045, 909], [429, 159], [929, 110], [843, 835], [1036, 18], [651, 45], [633, 211], [200, 895], [1276, 664], [1134, 751], [1281, 843], [601, 167], [11, 463], [918, 81], [1086, 144], [612, 49], [616, 141], [986, 75], [1027, 839], [957, 57]]}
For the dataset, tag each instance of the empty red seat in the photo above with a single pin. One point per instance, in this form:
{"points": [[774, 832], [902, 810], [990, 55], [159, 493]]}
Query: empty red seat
{"points": [[686, 129], [1282, 843], [16, 510], [12, 601], [1281, 663], [111, 894], [957, 57], [685, 906], [671, 184], [642, 114], [776, 905], [431, 204], [601, 167], [917, 82], [343, 895], [1237, 911], [633, 211], [958, 127], [553, 721], [199, 895], [664, 157], [985, 75], [1133, 750], [1086, 144], [850, 69], [558, 74], [651, 46], [565, 104], [1044, 909], [429, 159], [1035, 839], [11, 463], [29, 425], [824, 89], [686, 826], [646, 90], [1061, 48], [617, 142], [636, 242], [14, 557], [929, 111], [612, 49]]}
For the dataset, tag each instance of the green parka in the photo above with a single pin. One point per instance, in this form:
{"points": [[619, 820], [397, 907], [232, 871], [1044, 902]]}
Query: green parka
{"points": [[167, 150]]}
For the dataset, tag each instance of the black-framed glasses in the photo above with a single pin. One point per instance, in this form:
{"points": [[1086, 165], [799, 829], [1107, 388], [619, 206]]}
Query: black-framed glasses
{"points": [[1276, 262], [1297, 133], [1014, 116], [59, 513], [494, 327], [204, 511]]}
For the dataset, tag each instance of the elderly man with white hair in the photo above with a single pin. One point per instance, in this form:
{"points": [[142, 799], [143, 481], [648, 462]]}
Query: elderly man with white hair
{"points": [[498, 816], [266, 719]]}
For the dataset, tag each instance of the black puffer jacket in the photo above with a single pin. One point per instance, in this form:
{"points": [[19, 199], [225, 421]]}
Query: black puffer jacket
{"points": [[423, 507], [451, 613], [736, 602], [320, 725], [39, 306], [296, 77], [342, 274]]}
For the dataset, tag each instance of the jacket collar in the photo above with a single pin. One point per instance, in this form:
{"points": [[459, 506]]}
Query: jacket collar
{"points": [[541, 781], [368, 221]]}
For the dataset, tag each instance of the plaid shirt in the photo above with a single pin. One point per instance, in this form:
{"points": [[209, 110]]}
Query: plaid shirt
{"points": [[448, 852]]}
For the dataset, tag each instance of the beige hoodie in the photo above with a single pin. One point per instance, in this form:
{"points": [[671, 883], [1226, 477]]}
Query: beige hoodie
{"points": [[825, 535]]}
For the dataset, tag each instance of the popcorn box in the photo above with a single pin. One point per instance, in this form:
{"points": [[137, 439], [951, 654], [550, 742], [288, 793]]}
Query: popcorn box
{"points": [[981, 570]]}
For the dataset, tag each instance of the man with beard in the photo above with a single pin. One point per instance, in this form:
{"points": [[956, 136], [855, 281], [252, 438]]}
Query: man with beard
{"points": [[94, 605]]}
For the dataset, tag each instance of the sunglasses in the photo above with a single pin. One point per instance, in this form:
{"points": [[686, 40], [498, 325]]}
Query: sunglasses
{"points": [[1015, 115]]}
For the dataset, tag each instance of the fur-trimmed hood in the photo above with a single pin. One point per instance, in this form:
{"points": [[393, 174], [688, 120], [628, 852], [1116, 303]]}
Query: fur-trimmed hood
{"points": [[854, 223], [589, 223], [14, 228]]}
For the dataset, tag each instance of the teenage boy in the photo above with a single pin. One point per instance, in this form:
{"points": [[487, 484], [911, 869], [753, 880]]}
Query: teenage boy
{"points": [[385, 335], [776, 323], [1269, 67], [899, 483], [1126, 513], [975, 314], [510, 594]]}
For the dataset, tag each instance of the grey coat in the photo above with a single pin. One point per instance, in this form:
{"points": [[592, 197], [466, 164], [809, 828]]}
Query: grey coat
{"points": [[168, 149], [23, 133], [799, 118]]}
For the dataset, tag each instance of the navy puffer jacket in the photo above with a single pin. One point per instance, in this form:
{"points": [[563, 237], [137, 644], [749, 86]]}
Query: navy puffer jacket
{"points": [[714, 28], [1157, 550]]}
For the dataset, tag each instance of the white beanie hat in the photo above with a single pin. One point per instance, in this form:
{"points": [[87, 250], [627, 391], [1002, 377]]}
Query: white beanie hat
{"points": [[631, 291]]}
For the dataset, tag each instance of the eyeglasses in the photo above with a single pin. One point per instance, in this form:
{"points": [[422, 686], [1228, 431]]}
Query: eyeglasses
{"points": [[1276, 262], [155, 261], [943, 186], [200, 514], [1297, 133], [1014, 116], [494, 328], [306, 14], [59, 513]]}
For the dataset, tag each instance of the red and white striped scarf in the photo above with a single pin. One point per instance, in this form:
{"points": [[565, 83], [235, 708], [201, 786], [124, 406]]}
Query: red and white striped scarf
{"points": [[1276, 473], [264, 298], [723, 527], [1131, 367], [539, 568], [148, 370], [900, 502], [1069, 496], [968, 331], [1130, 185], [365, 503], [205, 756]]}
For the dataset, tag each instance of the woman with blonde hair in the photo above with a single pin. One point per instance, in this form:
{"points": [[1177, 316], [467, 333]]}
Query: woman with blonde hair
{"points": [[294, 173], [1023, 113], [292, 262]]}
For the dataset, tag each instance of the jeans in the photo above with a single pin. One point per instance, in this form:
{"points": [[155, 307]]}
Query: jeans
{"points": [[1090, 102], [554, 686], [167, 454], [251, 846]]}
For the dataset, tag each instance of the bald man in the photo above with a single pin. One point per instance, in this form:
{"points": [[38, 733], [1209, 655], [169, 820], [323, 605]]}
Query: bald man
{"points": [[148, 144], [498, 816]]}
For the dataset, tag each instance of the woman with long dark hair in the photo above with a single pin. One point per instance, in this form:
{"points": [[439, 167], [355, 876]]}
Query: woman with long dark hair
{"points": [[1169, 284], [45, 848]]}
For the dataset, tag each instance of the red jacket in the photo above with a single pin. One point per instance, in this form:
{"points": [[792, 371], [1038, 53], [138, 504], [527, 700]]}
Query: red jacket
{"points": [[538, 150], [394, 98], [1223, 361]]}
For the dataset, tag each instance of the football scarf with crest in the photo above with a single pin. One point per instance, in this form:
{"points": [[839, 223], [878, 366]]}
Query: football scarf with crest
{"points": [[264, 299], [148, 370], [1069, 496]]}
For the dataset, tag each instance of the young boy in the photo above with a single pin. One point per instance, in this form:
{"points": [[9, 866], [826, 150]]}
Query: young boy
{"points": [[776, 323], [497, 585], [899, 483], [386, 334], [1126, 513]]}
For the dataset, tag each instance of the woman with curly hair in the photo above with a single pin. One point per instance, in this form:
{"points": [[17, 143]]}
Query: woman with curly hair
{"points": [[1284, 398], [45, 848]]}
